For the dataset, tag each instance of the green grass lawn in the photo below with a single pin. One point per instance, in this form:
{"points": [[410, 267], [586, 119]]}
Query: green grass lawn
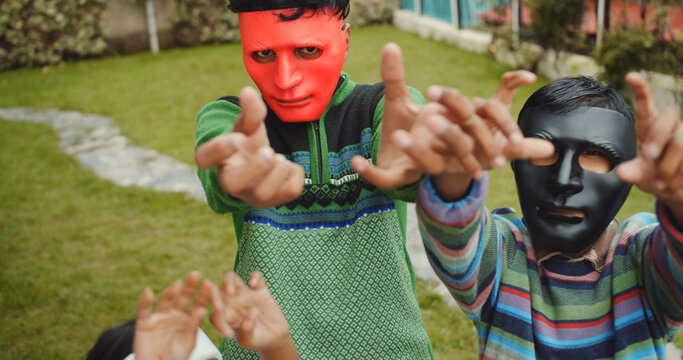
{"points": [[76, 251]]}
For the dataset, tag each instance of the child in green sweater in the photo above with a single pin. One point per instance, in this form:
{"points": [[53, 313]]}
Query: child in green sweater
{"points": [[330, 245]]}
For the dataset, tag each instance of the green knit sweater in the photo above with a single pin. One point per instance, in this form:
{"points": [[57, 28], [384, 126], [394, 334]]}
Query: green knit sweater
{"points": [[335, 259]]}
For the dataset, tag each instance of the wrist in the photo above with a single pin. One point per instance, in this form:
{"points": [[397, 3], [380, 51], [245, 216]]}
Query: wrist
{"points": [[675, 210], [451, 188], [283, 349]]}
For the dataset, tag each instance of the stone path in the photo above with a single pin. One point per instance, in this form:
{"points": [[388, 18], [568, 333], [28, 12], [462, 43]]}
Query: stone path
{"points": [[97, 143]]}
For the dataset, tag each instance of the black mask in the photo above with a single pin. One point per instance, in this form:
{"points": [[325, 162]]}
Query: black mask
{"points": [[568, 201]]}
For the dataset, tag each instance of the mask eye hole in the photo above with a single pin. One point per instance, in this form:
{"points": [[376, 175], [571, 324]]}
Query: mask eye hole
{"points": [[263, 56], [595, 160], [546, 161], [307, 53]]}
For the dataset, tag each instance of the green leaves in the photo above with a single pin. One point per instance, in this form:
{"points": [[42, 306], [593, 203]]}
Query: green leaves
{"points": [[556, 24], [44, 32]]}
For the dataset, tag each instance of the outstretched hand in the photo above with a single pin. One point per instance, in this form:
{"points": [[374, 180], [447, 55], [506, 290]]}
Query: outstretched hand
{"points": [[252, 316], [658, 168], [467, 136], [248, 168], [394, 169], [169, 331]]}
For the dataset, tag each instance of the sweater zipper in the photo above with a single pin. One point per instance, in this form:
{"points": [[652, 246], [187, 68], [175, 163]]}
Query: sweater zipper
{"points": [[316, 128]]}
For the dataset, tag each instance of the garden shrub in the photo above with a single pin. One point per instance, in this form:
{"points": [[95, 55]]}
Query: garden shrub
{"points": [[556, 24], [204, 22], [208, 21], [366, 12], [634, 48], [44, 32]]}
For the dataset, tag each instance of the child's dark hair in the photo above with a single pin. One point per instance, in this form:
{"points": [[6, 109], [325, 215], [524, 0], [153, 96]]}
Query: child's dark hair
{"points": [[114, 344], [566, 94], [338, 7]]}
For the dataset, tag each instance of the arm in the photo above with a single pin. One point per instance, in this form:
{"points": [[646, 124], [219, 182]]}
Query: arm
{"points": [[658, 169], [214, 120], [391, 168], [406, 192], [461, 242], [238, 159], [455, 139]]}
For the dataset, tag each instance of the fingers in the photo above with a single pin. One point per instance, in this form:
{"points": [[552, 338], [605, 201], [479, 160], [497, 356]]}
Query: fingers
{"points": [[670, 165], [205, 294], [459, 107], [249, 323], [427, 159], [254, 111], [382, 178], [634, 171], [145, 304], [168, 296], [272, 182], [498, 114], [263, 180], [458, 143], [214, 151], [184, 297], [529, 149], [475, 117], [238, 176], [393, 73], [195, 317], [246, 335], [659, 133], [644, 102], [232, 284], [509, 83], [218, 321], [256, 281]]}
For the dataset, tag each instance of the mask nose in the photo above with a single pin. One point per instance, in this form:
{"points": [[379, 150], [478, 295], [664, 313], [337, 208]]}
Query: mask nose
{"points": [[567, 177], [288, 75]]}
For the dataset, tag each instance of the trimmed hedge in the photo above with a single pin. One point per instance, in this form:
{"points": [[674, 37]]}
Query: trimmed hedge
{"points": [[47, 32], [40, 32], [208, 21]]}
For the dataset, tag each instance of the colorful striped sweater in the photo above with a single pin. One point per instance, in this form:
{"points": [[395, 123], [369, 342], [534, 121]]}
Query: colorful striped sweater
{"points": [[558, 309], [334, 259]]}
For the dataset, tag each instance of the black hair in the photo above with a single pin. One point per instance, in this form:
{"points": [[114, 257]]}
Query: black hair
{"points": [[564, 95], [114, 344], [338, 7]]}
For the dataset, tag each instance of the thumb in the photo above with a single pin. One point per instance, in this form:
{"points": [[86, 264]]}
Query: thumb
{"points": [[253, 112], [509, 83]]}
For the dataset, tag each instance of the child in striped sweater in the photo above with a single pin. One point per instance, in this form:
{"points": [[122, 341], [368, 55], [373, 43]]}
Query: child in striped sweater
{"points": [[566, 279]]}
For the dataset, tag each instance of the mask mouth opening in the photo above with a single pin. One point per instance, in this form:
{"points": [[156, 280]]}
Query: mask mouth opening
{"points": [[560, 214], [294, 101]]}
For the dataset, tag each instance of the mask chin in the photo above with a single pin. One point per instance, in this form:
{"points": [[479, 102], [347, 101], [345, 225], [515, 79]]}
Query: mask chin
{"points": [[569, 223], [566, 207]]}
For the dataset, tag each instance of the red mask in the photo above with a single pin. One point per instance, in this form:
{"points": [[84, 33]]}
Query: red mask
{"points": [[295, 63]]}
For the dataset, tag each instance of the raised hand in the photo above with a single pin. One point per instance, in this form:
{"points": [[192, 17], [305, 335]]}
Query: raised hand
{"points": [[253, 317], [169, 331], [394, 168], [658, 168], [248, 168], [467, 136]]}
